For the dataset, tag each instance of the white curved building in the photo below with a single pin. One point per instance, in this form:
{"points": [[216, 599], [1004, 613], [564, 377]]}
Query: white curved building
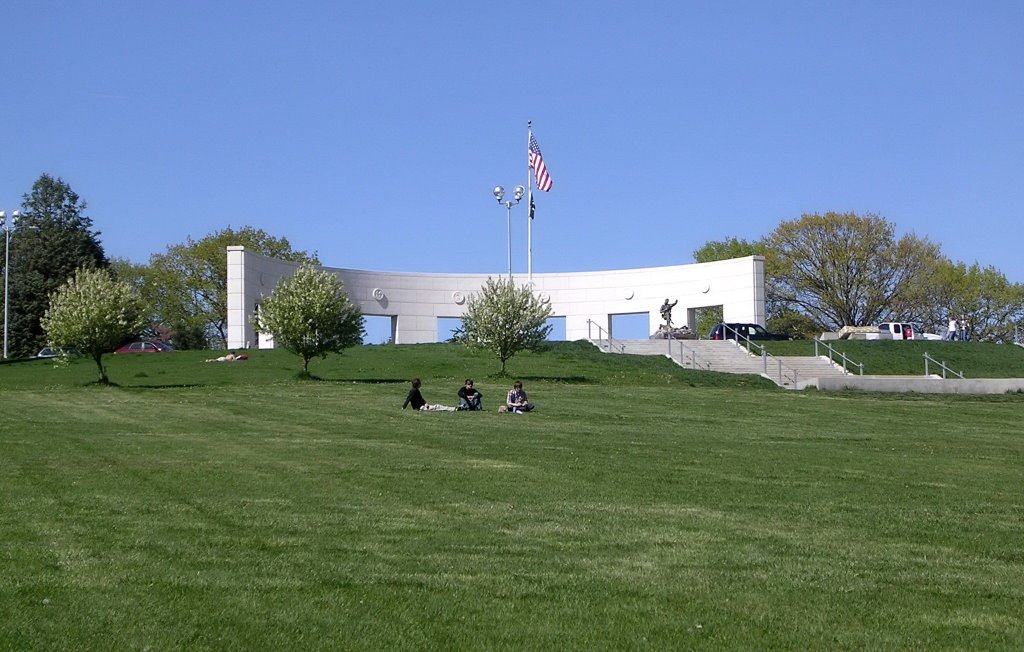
{"points": [[415, 301]]}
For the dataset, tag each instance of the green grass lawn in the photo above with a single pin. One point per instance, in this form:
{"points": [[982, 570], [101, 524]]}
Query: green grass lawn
{"points": [[642, 506], [973, 359]]}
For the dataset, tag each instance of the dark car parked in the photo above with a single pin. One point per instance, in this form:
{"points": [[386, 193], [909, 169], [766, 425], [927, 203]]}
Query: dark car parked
{"points": [[143, 347], [734, 331], [53, 352]]}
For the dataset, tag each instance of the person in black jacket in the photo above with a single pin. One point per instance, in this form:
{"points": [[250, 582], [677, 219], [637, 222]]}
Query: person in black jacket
{"points": [[415, 398], [469, 398]]}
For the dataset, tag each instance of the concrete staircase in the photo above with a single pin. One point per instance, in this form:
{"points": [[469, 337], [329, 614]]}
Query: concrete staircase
{"points": [[791, 372], [809, 369]]}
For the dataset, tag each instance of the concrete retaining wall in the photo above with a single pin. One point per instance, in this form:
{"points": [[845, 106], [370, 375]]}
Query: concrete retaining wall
{"points": [[923, 384]]}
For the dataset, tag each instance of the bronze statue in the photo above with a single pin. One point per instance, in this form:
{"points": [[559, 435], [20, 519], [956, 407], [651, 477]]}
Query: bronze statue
{"points": [[666, 312]]}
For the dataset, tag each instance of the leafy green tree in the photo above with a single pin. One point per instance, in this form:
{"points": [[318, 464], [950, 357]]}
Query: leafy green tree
{"points": [[979, 297], [732, 247], [186, 287], [131, 273], [505, 319], [923, 297], [824, 271], [795, 324], [845, 269], [142, 278], [94, 313], [53, 239], [310, 315]]}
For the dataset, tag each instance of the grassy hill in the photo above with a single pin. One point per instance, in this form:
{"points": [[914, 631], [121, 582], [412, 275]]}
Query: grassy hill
{"points": [[565, 362], [204, 505], [973, 359]]}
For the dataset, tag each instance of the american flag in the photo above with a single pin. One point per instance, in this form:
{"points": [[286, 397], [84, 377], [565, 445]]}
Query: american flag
{"points": [[540, 171]]}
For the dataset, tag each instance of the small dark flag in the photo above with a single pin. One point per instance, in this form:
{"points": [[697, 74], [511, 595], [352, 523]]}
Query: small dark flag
{"points": [[533, 207]]}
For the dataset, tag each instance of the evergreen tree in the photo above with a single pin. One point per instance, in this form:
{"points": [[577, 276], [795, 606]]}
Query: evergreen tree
{"points": [[53, 239]]}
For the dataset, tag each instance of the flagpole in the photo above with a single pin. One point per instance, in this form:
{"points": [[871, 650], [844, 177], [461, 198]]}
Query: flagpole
{"points": [[529, 205]]}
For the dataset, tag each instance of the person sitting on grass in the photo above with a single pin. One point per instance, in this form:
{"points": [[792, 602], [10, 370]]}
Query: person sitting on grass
{"points": [[469, 398], [415, 398], [516, 402]]}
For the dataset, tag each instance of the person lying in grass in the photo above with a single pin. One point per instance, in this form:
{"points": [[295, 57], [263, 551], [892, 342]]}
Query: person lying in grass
{"points": [[230, 357]]}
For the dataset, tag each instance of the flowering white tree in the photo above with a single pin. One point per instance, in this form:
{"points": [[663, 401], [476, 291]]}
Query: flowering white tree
{"points": [[505, 318], [310, 315], [94, 313]]}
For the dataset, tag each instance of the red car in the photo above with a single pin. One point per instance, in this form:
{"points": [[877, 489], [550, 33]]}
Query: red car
{"points": [[144, 347]]}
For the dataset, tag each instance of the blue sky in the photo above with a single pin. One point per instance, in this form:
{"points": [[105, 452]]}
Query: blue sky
{"points": [[372, 133]]}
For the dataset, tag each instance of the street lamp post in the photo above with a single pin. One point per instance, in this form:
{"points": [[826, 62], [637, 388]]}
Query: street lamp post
{"points": [[499, 194], [7, 226]]}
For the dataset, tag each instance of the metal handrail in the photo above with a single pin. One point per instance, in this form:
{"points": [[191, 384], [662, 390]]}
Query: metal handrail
{"points": [[928, 358], [621, 347], [859, 365], [782, 376], [694, 364], [740, 336]]}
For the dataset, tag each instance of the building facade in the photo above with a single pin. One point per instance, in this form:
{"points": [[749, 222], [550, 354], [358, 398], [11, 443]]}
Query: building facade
{"points": [[586, 300]]}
